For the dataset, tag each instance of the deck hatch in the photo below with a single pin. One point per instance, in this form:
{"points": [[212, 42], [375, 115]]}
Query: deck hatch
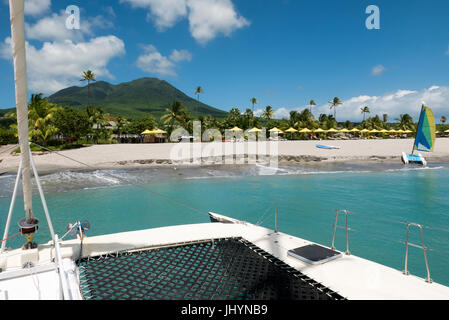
{"points": [[314, 254], [222, 269]]}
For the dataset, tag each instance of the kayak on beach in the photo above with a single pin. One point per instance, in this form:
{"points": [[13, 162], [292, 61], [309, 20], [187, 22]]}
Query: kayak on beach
{"points": [[321, 146]]}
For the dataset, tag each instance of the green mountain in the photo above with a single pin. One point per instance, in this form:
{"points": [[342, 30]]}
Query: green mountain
{"points": [[5, 111], [132, 99]]}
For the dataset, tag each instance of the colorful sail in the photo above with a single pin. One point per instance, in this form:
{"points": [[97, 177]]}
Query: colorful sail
{"points": [[425, 134]]}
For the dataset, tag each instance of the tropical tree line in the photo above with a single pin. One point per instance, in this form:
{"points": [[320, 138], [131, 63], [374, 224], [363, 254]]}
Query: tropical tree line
{"points": [[52, 124]]}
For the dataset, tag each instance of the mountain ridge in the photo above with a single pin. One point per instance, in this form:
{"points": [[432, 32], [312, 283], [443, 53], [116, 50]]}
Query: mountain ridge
{"points": [[133, 99]]}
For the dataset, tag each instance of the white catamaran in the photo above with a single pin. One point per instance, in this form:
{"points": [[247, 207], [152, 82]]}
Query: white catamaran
{"points": [[222, 259]]}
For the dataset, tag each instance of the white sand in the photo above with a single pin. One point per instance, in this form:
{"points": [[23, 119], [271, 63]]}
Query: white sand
{"points": [[290, 152]]}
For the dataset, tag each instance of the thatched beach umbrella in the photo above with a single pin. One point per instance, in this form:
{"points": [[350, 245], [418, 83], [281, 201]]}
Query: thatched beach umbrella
{"points": [[291, 130], [147, 132], [276, 130]]}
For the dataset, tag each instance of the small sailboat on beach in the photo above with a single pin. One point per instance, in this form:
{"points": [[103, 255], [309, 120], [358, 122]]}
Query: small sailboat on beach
{"points": [[424, 139]]}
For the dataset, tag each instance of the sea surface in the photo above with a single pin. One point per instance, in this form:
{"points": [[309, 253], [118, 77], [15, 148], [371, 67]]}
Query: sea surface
{"points": [[381, 198]]}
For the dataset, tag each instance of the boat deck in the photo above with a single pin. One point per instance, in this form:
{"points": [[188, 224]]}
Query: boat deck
{"points": [[349, 276]]}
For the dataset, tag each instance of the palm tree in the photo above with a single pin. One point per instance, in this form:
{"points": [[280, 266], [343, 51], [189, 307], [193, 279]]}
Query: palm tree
{"points": [[40, 114], [198, 91], [385, 117], [405, 122], [254, 101], [334, 104], [268, 112], [312, 103], [89, 76], [365, 110], [176, 112], [443, 119]]}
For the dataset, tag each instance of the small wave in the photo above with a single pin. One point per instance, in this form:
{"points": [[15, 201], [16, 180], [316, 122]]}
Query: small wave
{"points": [[415, 169], [7, 176], [101, 176]]}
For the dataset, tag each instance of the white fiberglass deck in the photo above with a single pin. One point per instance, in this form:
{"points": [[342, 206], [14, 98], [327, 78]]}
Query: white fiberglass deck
{"points": [[350, 276]]}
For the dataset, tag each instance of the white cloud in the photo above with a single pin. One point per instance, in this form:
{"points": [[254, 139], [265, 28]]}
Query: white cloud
{"points": [[152, 61], [393, 104], [180, 55], [207, 18], [378, 70], [53, 28], [58, 65], [281, 113], [36, 7], [165, 13]]}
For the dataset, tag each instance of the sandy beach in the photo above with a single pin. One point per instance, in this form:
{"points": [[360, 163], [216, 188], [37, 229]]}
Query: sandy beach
{"points": [[190, 154]]}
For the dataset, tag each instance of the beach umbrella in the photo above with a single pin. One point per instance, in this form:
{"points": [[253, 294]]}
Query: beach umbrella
{"points": [[343, 130], [400, 131], [374, 131], [364, 130], [384, 131], [408, 131], [291, 130], [331, 130], [236, 129], [392, 131], [354, 130], [159, 131], [318, 130], [147, 132], [276, 130], [255, 130], [305, 130], [437, 132]]}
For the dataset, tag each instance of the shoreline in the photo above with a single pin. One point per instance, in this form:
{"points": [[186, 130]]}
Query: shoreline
{"points": [[290, 153]]}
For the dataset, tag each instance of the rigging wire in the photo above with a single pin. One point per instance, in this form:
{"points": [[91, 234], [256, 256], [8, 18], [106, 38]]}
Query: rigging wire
{"points": [[123, 180], [9, 149], [264, 215]]}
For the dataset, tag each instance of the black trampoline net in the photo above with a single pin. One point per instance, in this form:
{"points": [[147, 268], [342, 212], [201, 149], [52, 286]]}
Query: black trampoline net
{"points": [[222, 269]]}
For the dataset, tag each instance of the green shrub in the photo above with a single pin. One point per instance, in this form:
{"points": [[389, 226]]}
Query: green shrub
{"points": [[7, 137]]}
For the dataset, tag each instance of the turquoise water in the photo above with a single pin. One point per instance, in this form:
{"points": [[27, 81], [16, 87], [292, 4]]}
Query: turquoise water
{"points": [[306, 200]]}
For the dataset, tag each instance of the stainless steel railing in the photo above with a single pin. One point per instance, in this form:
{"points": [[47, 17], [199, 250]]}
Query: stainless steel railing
{"points": [[423, 247], [346, 227]]}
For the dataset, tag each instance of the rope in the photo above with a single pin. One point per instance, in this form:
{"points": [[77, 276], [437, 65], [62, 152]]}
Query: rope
{"points": [[9, 149], [11, 237]]}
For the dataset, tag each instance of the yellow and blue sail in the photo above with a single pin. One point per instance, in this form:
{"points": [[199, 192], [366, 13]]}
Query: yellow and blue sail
{"points": [[425, 133]]}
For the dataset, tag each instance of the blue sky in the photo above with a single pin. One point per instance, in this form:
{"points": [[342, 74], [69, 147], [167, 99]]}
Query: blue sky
{"points": [[283, 52]]}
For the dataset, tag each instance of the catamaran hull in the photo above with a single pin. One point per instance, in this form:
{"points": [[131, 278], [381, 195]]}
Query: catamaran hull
{"points": [[413, 159]]}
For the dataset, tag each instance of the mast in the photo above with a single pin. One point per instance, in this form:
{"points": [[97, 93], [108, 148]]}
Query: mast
{"points": [[20, 79], [416, 134]]}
